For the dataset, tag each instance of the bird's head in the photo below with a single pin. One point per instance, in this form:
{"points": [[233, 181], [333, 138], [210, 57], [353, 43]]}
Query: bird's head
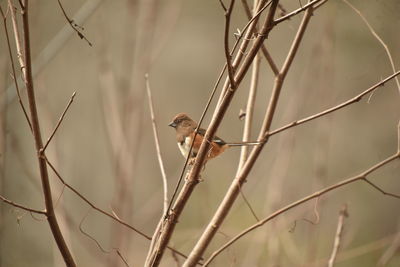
{"points": [[183, 122]]}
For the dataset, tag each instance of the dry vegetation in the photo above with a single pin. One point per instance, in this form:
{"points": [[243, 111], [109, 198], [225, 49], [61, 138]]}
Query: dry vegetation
{"points": [[87, 91]]}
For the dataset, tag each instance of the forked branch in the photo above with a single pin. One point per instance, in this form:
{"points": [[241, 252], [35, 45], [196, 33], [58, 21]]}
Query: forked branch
{"points": [[317, 194]]}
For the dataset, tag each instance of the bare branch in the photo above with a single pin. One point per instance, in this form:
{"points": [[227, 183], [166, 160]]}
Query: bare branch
{"points": [[398, 137], [355, 99], [249, 110], [73, 25], [223, 5], [157, 142], [18, 43], [59, 122], [380, 189], [93, 206], [317, 194], [377, 37], [98, 243], [249, 205], [233, 191], [315, 4], [231, 71], [339, 231], [12, 203], [264, 50], [51, 216], [235, 64], [14, 75]]}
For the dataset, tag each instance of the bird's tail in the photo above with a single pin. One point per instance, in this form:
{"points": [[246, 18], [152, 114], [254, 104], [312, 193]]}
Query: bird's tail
{"points": [[252, 143]]}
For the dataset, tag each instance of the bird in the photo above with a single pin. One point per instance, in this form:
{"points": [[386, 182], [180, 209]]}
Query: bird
{"points": [[185, 132]]}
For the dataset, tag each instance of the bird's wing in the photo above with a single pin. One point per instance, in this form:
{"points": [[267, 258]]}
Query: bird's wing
{"points": [[216, 139]]}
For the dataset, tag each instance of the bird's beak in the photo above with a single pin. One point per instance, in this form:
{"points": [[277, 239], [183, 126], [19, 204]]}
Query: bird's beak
{"points": [[172, 124]]}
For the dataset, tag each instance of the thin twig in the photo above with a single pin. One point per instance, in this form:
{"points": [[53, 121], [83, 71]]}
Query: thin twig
{"points": [[73, 25], [264, 49], [355, 99], [89, 236], [380, 189], [231, 71], [111, 216], [317, 194], [378, 38], [248, 205], [157, 142], [91, 204], [14, 75], [339, 231], [316, 213], [60, 120], [247, 34], [315, 4], [119, 254], [57, 42], [12, 203]]}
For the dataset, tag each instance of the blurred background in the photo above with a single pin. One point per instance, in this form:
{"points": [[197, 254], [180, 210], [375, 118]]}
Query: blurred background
{"points": [[105, 146]]}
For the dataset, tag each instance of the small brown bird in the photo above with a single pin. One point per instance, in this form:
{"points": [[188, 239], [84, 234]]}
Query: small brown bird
{"points": [[185, 131]]}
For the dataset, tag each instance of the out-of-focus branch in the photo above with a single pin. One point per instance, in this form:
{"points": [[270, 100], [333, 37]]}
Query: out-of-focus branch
{"points": [[317, 194], [157, 142], [339, 231], [248, 119], [398, 137], [18, 43], [391, 250], [377, 37], [21, 103]]}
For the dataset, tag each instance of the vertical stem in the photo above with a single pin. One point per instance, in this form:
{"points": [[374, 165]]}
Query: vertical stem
{"points": [[338, 236], [249, 111], [51, 217], [234, 188], [168, 225]]}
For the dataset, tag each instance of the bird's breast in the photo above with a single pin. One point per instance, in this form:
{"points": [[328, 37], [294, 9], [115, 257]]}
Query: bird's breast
{"points": [[184, 146]]}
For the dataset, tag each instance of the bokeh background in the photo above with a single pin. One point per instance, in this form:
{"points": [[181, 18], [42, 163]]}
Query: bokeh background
{"points": [[105, 146]]}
